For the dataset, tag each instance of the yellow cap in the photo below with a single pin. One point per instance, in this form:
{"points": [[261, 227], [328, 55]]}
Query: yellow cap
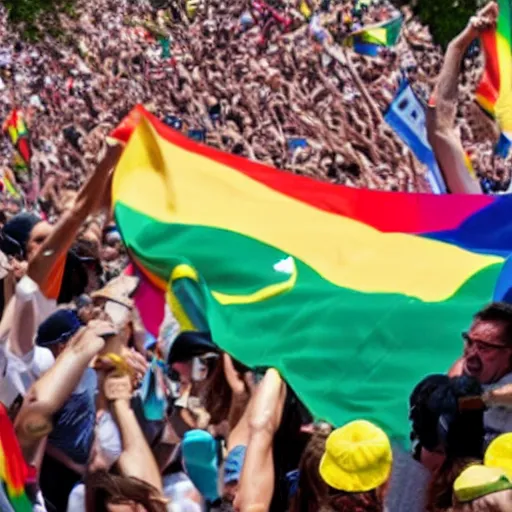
{"points": [[357, 458], [477, 481], [499, 454]]}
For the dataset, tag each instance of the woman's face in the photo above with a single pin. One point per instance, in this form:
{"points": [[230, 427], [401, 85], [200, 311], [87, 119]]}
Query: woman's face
{"points": [[38, 235]]}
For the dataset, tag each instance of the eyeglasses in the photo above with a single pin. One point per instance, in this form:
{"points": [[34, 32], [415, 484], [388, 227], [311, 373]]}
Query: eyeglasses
{"points": [[482, 346]]}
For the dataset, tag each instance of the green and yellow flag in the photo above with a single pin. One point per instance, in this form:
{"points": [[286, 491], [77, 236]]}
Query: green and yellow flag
{"points": [[353, 295]]}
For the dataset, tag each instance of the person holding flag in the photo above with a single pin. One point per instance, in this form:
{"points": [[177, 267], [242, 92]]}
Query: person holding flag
{"points": [[451, 157]]}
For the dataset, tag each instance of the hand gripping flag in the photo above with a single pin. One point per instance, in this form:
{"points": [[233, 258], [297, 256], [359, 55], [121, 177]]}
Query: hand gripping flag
{"points": [[494, 92]]}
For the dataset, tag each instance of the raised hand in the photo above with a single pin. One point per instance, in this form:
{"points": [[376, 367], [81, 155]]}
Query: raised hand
{"points": [[485, 19]]}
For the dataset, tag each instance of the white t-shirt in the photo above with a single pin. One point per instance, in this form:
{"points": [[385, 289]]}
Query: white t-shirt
{"points": [[27, 290], [19, 373], [177, 487], [76, 500]]}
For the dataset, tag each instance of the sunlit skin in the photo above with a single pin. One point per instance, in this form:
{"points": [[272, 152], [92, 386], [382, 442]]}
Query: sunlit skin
{"points": [[38, 235], [498, 502], [487, 355]]}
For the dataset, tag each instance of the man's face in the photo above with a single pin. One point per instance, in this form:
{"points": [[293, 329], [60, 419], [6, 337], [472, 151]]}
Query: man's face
{"points": [[487, 356]]}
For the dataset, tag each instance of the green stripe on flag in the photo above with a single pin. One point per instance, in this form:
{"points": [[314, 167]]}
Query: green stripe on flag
{"points": [[347, 354]]}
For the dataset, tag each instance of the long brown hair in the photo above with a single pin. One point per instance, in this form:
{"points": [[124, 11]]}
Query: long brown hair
{"points": [[440, 491], [102, 488], [218, 394], [312, 490]]}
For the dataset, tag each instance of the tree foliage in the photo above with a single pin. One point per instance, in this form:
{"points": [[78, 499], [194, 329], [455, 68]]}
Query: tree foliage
{"points": [[445, 18], [34, 15]]}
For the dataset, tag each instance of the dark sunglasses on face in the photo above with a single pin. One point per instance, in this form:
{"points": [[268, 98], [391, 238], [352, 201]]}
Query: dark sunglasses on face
{"points": [[482, 346]]}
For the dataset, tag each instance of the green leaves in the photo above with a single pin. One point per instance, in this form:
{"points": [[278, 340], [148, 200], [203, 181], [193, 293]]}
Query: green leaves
{"points": [[445, 18], [33, 15]]}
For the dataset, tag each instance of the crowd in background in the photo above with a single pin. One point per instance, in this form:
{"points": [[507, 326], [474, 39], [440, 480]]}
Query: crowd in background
{"points": [[261, 89], [97, 415]]}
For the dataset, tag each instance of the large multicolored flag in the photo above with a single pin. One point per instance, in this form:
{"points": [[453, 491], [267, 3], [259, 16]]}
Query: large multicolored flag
{"points": [[353, 295], [369, 40], [494, 92], [17, 130]]}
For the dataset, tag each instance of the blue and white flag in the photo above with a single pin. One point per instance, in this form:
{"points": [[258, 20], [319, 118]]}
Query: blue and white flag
{"points": [[406, 116]]}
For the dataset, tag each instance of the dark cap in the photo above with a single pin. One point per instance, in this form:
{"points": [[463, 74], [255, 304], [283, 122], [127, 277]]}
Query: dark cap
{"points": [[58, 328], [16, 232]]}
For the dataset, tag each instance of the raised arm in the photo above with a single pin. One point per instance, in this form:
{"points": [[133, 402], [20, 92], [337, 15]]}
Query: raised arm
{"points": [[48, 394], [257, 481], [136, 460], [64, 233], [442, 136]]}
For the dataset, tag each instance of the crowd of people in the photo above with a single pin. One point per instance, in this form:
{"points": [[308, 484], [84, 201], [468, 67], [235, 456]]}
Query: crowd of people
{"points": [[96, 414], [247, 80]]}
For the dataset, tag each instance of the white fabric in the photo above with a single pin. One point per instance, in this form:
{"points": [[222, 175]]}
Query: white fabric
{"points": [[20, 372], [39, 505], [109, 439], [76, 500], [27, 290], [177, 487], [184, 506], [169, 331], [497, 420]]}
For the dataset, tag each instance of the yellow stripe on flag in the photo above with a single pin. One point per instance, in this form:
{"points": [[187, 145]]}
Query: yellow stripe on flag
{"points": [[173, 185]]}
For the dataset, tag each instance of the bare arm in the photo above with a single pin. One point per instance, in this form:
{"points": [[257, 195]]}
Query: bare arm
{"points": [[24, 325], [48, 394], [65, 231], [257, 480], [441, 119], [136, 459]]}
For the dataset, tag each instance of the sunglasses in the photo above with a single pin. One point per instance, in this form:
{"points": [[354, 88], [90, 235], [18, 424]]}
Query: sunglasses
{"points": [[482, 346]]}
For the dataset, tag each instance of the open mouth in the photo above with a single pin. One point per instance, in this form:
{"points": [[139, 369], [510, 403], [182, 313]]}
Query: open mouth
{"points": [[472, 366]]}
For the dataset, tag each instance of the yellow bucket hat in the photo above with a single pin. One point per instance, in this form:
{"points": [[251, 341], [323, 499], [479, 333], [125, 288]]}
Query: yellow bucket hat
{"points": [[477, 481], [357, 458], [499, 454]]}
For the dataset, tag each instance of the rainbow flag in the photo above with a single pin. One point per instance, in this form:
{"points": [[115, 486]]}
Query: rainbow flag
{"points": [[17, 130], [13, 469], [10, 188], [494, 92], [353, 295], [369, 40]]}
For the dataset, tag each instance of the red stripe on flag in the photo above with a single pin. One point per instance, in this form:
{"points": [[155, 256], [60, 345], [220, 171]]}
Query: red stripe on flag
{"points": [[437, 213]]}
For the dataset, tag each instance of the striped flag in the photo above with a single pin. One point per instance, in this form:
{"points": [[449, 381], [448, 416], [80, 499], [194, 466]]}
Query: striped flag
{"points": [[323, 282], [494, 92], [369, 40]]}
